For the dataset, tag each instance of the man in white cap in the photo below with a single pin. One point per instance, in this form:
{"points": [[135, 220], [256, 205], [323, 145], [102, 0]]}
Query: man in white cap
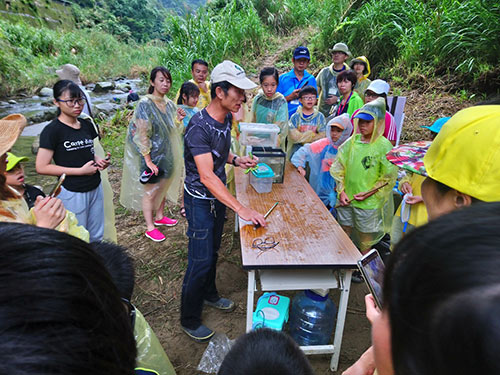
{"points": [[206, 151], [72, 73], [327, 78]]}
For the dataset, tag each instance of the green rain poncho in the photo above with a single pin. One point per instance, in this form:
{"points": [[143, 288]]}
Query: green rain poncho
{"points": [[272, 110], [152, 130], [360, 167]]}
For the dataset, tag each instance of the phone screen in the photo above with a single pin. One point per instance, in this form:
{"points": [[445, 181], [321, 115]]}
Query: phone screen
{"points": [[372, 267]]}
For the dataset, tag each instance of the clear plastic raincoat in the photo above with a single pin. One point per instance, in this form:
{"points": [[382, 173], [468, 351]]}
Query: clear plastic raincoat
{"points": [[304, 129], [363, 82], [327, 85], [107, 191], [320, 156], [272, 110], [150, 353], [153, 131], [360, 167]]}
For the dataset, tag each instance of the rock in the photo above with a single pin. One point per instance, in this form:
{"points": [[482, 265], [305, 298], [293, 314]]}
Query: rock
{"points": [[4, 104], [41, 116], [46, 91], [35, 97], [124, 87], [104, 86], [117, 92], [12, 101], [106, 108], [47, 103]]}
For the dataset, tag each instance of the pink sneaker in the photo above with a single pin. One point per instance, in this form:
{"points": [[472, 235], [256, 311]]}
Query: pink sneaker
{"points": [[166, 221], [155, 235]]}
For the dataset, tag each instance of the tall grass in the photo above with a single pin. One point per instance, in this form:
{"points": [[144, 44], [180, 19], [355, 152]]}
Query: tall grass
{"points": [[446, 36], [29, 56]]}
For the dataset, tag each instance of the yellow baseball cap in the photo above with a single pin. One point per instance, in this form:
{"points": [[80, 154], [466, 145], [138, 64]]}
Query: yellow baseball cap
{"points": [[465, 155], [13, 160]]}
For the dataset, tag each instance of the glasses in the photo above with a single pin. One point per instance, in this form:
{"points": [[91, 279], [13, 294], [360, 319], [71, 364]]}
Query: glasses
{"points": [[309, 97], [371, 94], [72, 102]]}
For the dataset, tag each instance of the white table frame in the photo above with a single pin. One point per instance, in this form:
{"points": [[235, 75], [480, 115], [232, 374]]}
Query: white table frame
{"points": [[283, 281]]}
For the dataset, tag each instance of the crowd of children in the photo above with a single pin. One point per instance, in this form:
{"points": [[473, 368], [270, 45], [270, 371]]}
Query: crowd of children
{"points": [[336, 129]]}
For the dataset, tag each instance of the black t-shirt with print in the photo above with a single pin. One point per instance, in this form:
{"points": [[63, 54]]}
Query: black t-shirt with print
{"points": [[72, 148], [205, 135]]}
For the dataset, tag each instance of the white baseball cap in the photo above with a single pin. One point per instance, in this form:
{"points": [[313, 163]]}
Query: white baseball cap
{"points": [[379, 86], [233, 73]]}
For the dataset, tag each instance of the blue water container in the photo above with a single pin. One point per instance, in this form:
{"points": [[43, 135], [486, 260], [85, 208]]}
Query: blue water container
{"points": [[312, 318]]}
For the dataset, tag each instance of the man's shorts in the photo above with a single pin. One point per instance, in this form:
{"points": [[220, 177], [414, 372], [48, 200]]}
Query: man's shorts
{"points": [[365, 221]]}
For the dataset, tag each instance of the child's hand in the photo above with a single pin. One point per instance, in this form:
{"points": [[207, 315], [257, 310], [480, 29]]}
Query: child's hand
{"points": [[49, 212], [181, 113], [302, 171], [344, 199], [414, 199], [406, 188], [362, 196], [89, 168]]}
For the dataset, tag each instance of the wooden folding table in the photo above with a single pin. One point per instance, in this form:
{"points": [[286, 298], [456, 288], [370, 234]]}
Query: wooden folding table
{"points": [[313, 250]]}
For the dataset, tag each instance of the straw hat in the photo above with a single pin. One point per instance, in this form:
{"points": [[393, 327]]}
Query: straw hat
{"points": [[10, 129], [71, 72]]}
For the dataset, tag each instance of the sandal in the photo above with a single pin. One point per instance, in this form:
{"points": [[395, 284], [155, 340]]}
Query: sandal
{"points": [[183, 212]]}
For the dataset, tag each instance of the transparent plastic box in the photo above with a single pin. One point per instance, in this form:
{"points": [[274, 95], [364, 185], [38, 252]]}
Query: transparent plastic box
{"points": [[275, 158], [255, 134], [262, 178]]}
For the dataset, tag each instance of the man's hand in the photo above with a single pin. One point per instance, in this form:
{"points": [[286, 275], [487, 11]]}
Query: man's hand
{"points": [[251, 215], [293, 95], [332, 99], [49, 212], [302, 171], [344, 199], [247, 161]]}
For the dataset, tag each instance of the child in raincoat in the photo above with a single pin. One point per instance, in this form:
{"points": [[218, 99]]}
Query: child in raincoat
{"points": [[269, 106], [320, 156], [307, 124], [361, 166], [361, 66], [188, 99], [152, 166]]}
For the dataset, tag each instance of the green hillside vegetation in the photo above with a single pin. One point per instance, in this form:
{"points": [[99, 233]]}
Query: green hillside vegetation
{"points": [[402, 38]]}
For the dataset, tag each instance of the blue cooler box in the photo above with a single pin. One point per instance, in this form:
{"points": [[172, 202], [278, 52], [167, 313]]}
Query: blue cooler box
{"points": [[271, 312]]}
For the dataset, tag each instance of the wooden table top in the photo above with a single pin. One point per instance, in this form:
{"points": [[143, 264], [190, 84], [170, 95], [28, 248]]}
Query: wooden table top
{"points": [[307, 233]]}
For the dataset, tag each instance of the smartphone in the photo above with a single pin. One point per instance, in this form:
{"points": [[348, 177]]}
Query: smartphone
{"points": [[108, 156], [54, 191], [372, 268]]}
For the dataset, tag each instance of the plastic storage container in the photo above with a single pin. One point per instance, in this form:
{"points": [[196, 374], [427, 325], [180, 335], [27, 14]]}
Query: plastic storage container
{"points": [[271, 312], [275, 158], [312, 318], [255, 134], [262, 178]]}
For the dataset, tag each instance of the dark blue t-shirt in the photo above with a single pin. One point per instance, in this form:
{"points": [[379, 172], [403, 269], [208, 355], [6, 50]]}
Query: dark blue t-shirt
{"points": [[205, 135]]}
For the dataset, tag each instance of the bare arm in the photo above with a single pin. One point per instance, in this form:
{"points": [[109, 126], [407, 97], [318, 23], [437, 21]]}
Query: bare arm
{"points": [[205, 165], [43, 165]]}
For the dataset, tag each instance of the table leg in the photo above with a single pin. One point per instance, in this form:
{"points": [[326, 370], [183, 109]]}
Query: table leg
{"points": [[250, 293], [345, 285]]}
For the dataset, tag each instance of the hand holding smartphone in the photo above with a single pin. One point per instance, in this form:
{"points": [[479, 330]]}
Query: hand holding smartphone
{"points": [[372, 268]]}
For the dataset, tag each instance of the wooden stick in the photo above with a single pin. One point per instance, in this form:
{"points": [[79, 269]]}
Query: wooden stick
{"points": [[368, 192]]}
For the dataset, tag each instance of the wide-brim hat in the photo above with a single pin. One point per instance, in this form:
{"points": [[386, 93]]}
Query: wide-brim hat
{"points": [[70, 72], [232, 73], [10, 129], [341, 47], [14, 160]]}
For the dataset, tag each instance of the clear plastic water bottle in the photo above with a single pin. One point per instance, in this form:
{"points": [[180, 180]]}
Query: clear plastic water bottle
{"points": [[312, 318]]}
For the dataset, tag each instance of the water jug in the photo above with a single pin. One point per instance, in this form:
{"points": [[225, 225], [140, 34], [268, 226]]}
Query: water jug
{"points": [[312, 318]]}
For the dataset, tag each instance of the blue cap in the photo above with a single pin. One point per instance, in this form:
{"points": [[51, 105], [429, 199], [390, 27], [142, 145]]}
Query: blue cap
{"points": [[364, 116], [438, 124], [301, 53]]}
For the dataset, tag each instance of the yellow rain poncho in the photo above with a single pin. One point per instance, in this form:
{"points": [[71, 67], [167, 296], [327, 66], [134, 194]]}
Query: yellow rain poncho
{"points": [[327, 85], [107, 191], [152, 130], [272, 110], [361, 167], [15, 210], [150, 353], [363, 82]]}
